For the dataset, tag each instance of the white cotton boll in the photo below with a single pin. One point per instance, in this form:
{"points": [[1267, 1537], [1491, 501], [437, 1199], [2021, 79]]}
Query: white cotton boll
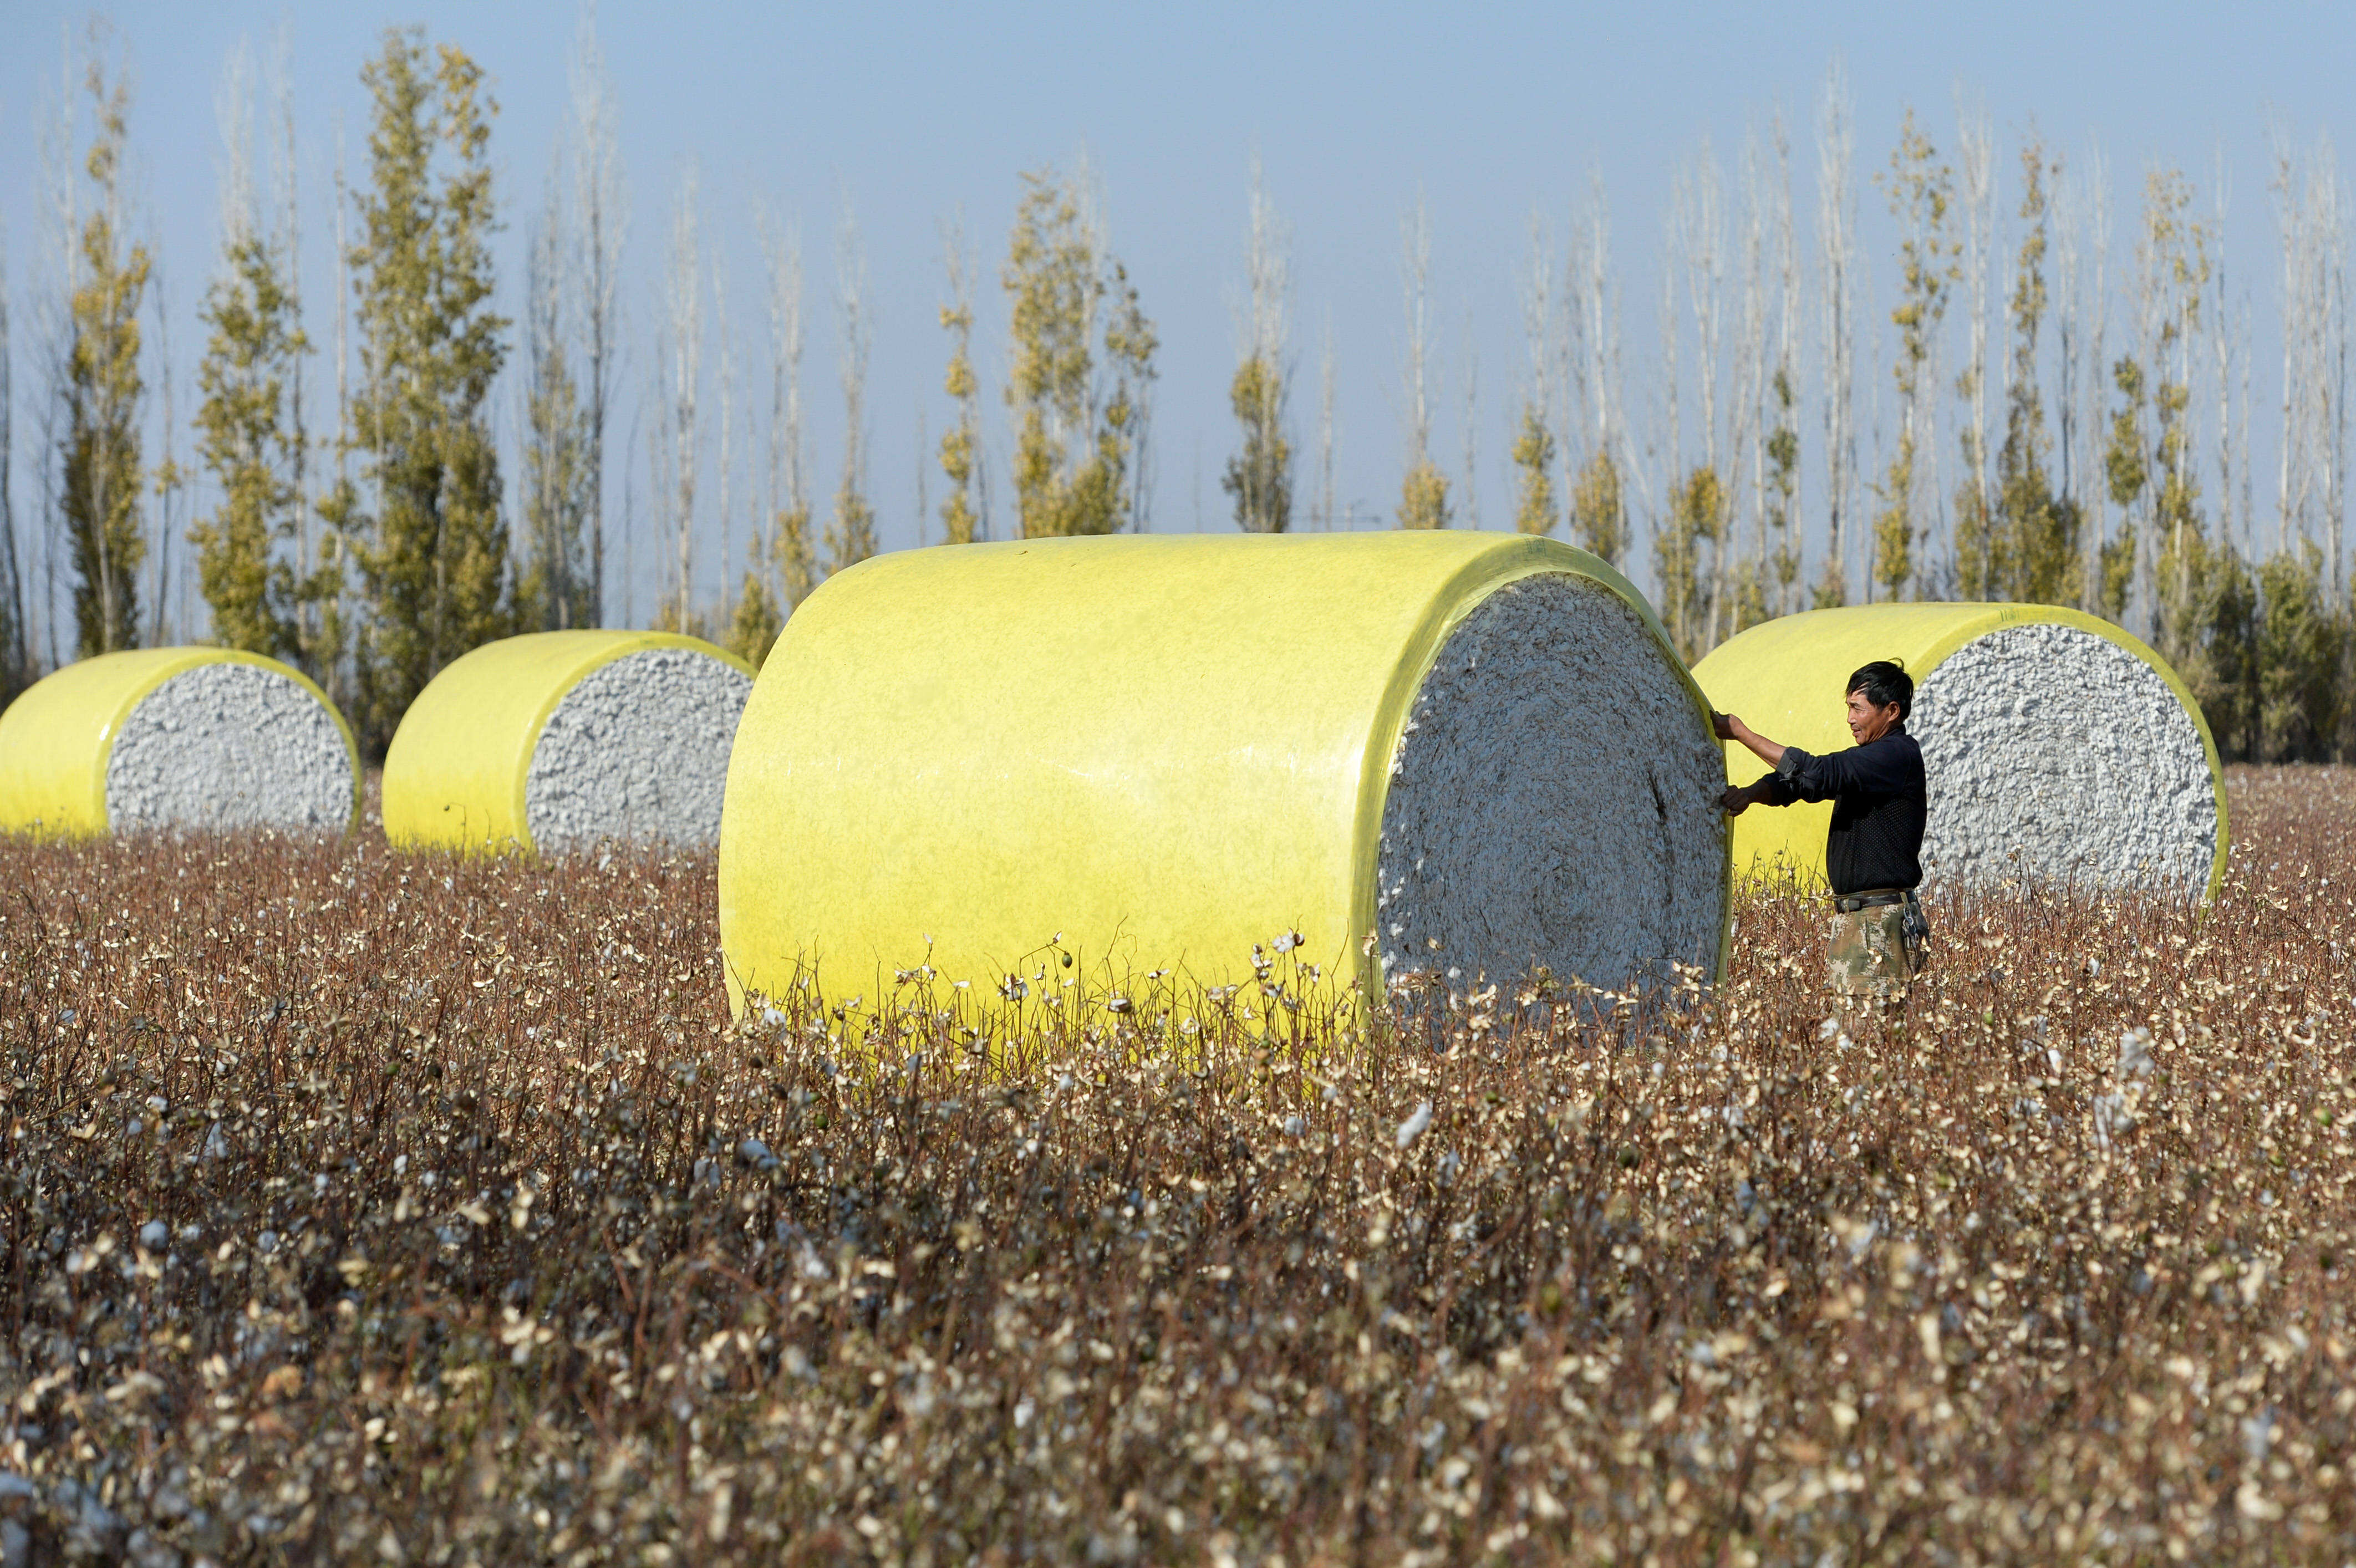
{"points": [[1415, 1127]]}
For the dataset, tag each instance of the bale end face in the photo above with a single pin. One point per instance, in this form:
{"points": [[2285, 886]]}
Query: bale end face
{"points": [[1553, 804], [230, 745], [637, 751], [2059, 756]]}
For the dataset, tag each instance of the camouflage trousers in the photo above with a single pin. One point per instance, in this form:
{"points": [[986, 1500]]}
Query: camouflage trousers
{"points": [[1875, 952]]}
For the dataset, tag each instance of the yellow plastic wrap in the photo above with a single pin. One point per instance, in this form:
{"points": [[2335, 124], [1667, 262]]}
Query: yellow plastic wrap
{"points": [[1785, 678], [56, 739], [454, 776], [1164, 748]]}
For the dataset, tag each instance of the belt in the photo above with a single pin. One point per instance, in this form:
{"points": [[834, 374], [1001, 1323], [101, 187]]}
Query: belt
{"points": [[1849, 903]]}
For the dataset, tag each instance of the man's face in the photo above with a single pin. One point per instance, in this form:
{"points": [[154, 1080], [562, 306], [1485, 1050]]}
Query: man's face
{"points": [[1866, 721]]}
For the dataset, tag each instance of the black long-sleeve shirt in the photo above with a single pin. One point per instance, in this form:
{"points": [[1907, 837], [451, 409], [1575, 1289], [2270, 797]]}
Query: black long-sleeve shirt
{"points": [[1880, 799]]}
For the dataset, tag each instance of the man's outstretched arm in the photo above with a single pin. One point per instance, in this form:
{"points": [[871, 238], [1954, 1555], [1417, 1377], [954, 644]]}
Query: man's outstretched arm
{"points": [[1728, 727]]}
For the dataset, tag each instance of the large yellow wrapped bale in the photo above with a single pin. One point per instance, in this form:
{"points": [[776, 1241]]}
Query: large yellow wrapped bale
{"points": [[2060, 749], [1476, 749], [194, 739], [560, 741]]}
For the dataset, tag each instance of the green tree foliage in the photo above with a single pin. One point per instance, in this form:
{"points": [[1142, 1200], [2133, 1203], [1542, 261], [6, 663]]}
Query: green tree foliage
{"points": [[961, 446], [1533, 454], [247, 441], [2300, 654], [432, 560], [1694, 530], [1921, 195], [1423, 497], [1259, 476], [753, 627], [103, 390], [1782, 564], [1599, 514], [2126, 472], [1078, 443], [2029, 550]]}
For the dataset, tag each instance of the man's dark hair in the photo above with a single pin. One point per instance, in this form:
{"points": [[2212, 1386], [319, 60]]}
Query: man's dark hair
{"points": [[1885, 681]]}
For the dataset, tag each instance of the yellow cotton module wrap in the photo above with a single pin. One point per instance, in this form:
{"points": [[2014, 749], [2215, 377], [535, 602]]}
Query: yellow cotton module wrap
{"points": [[455, 775], [1161, 749], [57, 739], [1785, 678]]}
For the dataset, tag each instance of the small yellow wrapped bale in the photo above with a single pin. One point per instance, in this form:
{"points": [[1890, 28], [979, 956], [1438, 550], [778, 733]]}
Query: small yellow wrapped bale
{"points": [[187, 739], [2060, 749], [1477, 750], [557, 742]]}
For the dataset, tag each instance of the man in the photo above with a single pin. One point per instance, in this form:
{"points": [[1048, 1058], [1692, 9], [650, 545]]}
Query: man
{"points": [[1873, 855]]}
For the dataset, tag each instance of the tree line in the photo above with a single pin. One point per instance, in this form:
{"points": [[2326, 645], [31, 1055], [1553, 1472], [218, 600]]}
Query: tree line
{"points": [[2058, 426]]}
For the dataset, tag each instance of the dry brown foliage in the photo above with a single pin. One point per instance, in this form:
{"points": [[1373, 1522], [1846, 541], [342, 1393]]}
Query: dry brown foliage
{"points": [[367, 1207]]}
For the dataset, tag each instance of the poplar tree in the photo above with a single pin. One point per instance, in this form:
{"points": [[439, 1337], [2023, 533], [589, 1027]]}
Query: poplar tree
{"points": [[1423, 493], [960, 452], [2030, 551], [1599, 514], [851, 532], [1080, 420], [247, 438], [2126, 471], [1596, 504], [557, 590], [102, 475], [432, 557], [1534, 446], [1922, 192], [1259, 476], [16, 634], [1696, 526]]}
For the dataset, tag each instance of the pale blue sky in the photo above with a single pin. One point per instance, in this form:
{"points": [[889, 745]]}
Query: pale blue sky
{"points": [[917, 114]]}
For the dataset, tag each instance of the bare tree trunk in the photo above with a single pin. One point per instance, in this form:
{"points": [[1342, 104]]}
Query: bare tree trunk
{"points": [[684, 298], [2221, 342], [1836, 266], [1699, 211], [1751, 382], [1976, 147], [168, 483], [1325, 431], [15, 647], [1471, 510], [1787, 316], [1417, 242], [2333, 241], [2098, 218], [851, 534], [602, 210], [727, 430]]}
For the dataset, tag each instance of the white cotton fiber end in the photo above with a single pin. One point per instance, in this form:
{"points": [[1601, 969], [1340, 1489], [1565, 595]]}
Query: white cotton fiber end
{"points": [[636, 751], [229, 745], [1553, 802], [2058, 756]]}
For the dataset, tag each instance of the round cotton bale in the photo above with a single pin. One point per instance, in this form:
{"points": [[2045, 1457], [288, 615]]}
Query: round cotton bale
{"points": [[2060, 749], [557, 742], [1461, 755], [199, 739]]}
